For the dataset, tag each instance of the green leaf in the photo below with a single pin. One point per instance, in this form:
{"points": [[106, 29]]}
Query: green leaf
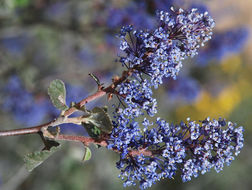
{"points": [[92, 130], [57, 93], [97, 122], [87, 154], [100, 118], [34, 159]]}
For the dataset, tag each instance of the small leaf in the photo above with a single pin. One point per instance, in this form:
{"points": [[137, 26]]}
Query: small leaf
{"points": [[97, 122], [87, 154], [92, 130], [100, 119], [34, 159], [57, 93]]}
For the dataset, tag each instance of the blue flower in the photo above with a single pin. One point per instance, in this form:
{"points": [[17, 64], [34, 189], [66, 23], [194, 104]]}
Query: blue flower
{"points": [[159, 53], [192, 148], [152, 151]]}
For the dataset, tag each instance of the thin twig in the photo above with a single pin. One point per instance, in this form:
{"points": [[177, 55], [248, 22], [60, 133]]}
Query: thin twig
{"points": [[64, 119], [43, 127], [102, 142]]}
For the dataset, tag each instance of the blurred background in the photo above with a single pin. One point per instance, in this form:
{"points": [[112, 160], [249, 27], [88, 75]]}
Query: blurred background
{"points": [[41, 40]]}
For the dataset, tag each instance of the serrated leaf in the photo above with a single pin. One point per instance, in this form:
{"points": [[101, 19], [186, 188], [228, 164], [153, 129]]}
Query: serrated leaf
{"points": [[34, 159], [100, 119], [57, 93], [87, 154]]}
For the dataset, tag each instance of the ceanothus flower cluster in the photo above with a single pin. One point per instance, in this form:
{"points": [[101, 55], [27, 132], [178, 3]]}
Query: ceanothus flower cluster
{"points": [[211, 145], [151, 151], [192, 148], [138, 98], [159, 53]]}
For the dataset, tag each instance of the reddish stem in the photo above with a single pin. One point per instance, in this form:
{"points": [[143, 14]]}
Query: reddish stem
{"points": [[94, 96], [85, 140], [24, 131], [88, 140], [101, 92]]}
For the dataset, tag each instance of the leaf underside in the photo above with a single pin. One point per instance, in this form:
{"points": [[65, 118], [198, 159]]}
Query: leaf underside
{"points": [[34, 159]]}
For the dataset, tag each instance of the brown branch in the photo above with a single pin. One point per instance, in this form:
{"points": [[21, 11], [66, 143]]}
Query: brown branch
{"points": [[102, 142], [90, 98], [43, 127], [24, 131], [111, 89], [85, 140], [63, 119]]}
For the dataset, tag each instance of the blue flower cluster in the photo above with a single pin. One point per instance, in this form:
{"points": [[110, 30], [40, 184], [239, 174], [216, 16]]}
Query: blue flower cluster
{"points": [[138, 98], [211, 145], [152, 151], [191, 148], [159, 53]]}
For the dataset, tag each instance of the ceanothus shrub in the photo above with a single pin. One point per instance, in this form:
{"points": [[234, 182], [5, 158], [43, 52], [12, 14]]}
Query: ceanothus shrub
{"points": [[149, 149]]}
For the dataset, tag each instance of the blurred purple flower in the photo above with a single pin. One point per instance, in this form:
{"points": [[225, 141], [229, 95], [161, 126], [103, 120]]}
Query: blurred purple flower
{"points": [[184, 89], [56, 10], [21, 103], [86, 56], [14, 44], [223, 44], [75, 93], [134, 13]]}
